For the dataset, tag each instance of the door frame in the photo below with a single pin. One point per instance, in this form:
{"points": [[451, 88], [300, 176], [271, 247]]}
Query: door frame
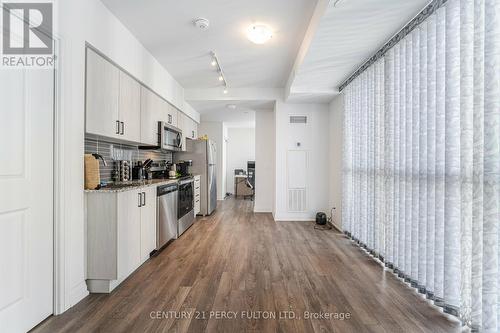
{"points": [[58, 190]]}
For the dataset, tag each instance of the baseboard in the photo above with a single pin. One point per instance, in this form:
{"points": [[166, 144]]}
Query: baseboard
{"points": [[77, 293], [293, 219], [262, 210]]}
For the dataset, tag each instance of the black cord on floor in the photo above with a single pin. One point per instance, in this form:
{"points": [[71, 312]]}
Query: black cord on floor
{"points": [[323, 227]]}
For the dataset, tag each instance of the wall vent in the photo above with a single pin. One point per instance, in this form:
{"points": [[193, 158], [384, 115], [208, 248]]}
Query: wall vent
{"points": [[298, 119], [297, 200]]}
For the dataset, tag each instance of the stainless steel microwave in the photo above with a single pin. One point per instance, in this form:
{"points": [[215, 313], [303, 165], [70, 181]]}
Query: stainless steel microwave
{"points": [[170, 137]]}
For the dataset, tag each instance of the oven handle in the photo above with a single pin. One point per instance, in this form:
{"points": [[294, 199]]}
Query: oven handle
{"points": [[186, 181]]}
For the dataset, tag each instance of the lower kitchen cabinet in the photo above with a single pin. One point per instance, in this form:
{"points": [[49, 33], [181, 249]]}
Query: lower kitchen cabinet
{"points": [[197, 180], [148, 223], [121, 233]]}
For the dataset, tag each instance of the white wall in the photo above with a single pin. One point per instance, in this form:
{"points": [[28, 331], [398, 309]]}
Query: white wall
{"points": [[265, 155], [81, 21], [336, 120], [240, 149], [215, 131], [318, 159]]}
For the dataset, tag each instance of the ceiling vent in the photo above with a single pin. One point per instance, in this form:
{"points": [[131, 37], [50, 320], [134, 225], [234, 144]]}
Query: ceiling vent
{"points": [[298, 119]]}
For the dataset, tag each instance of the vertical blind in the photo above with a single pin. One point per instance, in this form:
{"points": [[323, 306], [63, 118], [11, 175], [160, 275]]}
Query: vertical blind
{"points": [[421, 173]]}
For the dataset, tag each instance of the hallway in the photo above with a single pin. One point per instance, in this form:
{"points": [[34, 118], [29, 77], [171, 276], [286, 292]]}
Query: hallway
{"points": [[245, 265]]}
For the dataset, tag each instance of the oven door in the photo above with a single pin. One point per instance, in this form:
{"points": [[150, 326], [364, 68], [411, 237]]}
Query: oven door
{"points": [[185, 203], [170, 137]]}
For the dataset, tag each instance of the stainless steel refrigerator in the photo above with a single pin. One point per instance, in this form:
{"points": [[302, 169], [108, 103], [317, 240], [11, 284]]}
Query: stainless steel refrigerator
{"points": [[203, 153]]}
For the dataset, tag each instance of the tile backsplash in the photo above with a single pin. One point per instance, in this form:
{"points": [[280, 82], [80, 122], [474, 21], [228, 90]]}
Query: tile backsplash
{"points": [[113, 152]]}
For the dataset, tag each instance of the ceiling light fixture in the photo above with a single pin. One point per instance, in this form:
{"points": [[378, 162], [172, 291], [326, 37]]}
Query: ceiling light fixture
{"points": [[259, 33], [216, 63]]}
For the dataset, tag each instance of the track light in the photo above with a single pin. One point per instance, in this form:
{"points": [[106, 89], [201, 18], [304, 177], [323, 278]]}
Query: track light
{"points": [[216, 63]]}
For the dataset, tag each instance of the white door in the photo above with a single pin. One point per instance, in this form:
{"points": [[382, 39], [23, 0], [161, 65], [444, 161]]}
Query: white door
{"points": [[26, 198]]}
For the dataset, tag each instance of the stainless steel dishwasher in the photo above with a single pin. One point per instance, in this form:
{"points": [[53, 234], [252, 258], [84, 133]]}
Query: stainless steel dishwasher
{"points": [[166, 215]]}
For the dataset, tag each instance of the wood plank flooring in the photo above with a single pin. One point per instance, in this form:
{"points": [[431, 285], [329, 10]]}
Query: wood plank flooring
{"points": [[236, 261]]}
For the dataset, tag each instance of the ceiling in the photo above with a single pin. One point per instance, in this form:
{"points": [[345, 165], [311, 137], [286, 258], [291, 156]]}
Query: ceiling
{"points": [[242, 116], [165, 28], [346, 36], [315, 47]]}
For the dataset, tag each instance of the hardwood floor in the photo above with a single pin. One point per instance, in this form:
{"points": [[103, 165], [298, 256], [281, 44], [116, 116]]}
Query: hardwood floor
{"points": [[241, 262]]}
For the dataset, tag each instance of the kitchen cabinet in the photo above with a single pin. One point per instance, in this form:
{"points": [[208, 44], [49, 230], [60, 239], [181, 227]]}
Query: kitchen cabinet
{"points": [[153, 110], [121, 233], [197, 180], [128, 228], [102, 96], [112, 100], [193, 129], [130, 108], [120, 107], [148, 223], [188, 126], [172, 115]]}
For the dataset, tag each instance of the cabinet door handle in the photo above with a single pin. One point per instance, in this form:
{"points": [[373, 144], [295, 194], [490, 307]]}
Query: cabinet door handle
{"points": [[123, 128], [140, 200], [143, 199], [117, 127], [169, 118], [192, 134]]}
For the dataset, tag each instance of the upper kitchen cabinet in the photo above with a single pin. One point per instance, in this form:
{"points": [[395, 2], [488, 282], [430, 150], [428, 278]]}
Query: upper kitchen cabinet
{"points": [[102, 100], [130, 107], [112, 100], [194, 129], [191, 128], [153, 110], [172, 115]]}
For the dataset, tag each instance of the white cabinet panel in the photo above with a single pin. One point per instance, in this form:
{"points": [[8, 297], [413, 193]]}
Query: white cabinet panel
{"points": [[130, 108], [197, 183], [121, 233], [148, 223], [193, 133], [172, 115], [129, 232], [102, 96], [151, 114]]}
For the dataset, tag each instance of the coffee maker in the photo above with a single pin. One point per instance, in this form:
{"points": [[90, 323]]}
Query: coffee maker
{"points": [[183, 167]]}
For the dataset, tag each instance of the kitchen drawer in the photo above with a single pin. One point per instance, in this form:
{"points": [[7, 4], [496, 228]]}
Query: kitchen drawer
{"points": [[196, 205]]}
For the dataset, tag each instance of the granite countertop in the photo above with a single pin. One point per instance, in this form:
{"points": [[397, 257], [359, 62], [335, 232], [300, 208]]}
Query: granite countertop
{"points": [[132, 185]]}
